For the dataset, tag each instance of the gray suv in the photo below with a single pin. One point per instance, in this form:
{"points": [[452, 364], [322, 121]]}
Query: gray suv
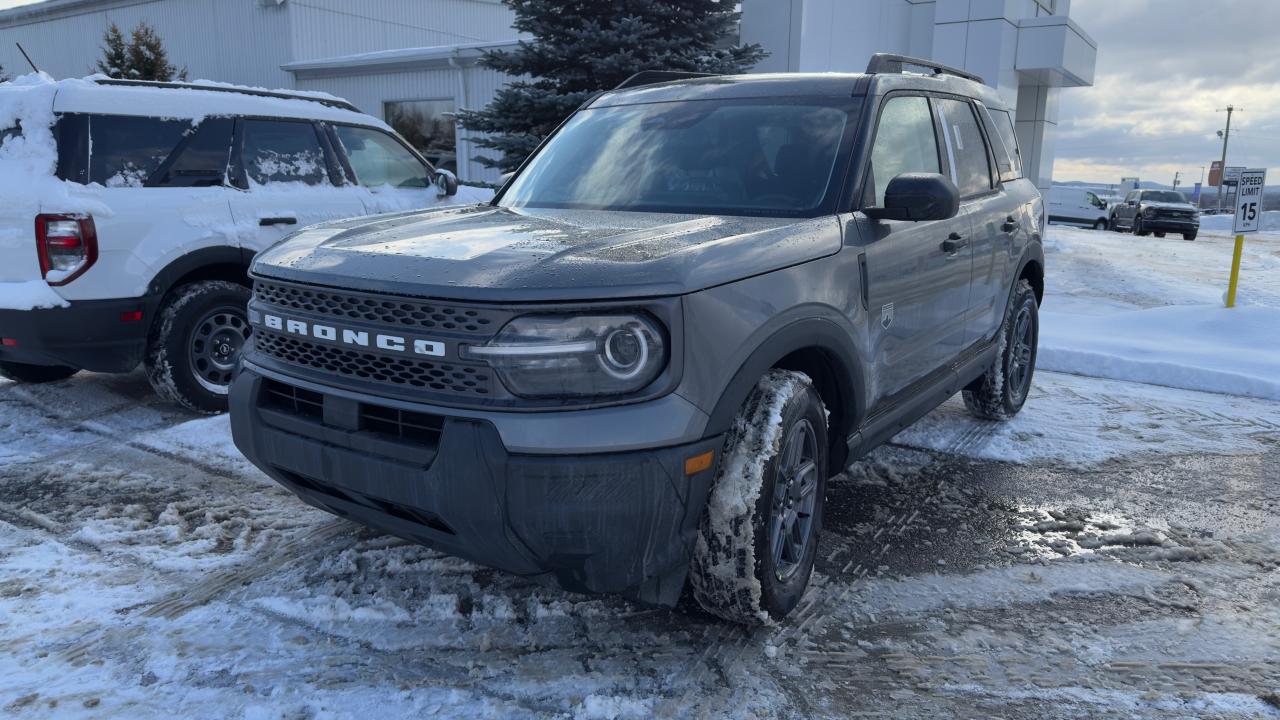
{"points": [[639, 365]]}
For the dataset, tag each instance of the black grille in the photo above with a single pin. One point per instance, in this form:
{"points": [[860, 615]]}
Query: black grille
{"points": [[292, 399], [404, 372], [391, 311], [399, 424]]}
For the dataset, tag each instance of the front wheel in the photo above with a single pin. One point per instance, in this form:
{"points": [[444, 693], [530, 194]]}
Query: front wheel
{"points": [[1000, 392], [759, 535], [1189, 236], [1158, 234], [35, 374], [196, 342], [1137, 227]]}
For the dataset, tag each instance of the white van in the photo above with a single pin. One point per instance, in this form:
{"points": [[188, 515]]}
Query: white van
{"points": [[131, 211], [1077, 206]]}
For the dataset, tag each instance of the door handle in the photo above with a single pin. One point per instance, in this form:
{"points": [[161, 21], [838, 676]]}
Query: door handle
{"points": [[1010, 224], [954, 243], [269, 221]]}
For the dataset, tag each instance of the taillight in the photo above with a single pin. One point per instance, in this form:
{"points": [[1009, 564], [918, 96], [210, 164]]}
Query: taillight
{"points": [[67, 246]]}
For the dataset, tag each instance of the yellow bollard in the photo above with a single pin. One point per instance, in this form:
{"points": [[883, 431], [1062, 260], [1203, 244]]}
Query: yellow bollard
{"points": [[1235, 272]]}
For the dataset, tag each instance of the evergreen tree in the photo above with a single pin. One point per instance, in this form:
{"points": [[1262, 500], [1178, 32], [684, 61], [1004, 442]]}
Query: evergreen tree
{"points": [[115, 56], [143, 57], [580, 47]]}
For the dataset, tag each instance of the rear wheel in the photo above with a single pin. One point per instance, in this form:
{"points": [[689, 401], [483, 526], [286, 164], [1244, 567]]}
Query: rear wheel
{"points": [[759, 535], [196, 342], [1100, 224], [1113, 225], [1158, 234], [1002, 390], [35, 374]]}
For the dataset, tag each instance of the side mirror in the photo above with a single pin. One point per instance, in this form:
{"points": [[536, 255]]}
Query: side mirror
{"points": [[917, 197], [446, 184]]}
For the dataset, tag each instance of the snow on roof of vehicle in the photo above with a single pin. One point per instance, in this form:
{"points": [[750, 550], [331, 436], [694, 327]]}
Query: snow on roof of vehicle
{"points": [[189, 100]]}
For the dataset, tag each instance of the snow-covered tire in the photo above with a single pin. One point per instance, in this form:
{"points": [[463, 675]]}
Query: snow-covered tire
{"points": [[772, 476], [183, 360], [1000, 392], [35, 374]]}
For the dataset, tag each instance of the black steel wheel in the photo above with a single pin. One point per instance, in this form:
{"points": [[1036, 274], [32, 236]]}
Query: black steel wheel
{"points": [[215, 346], [196, 342]]}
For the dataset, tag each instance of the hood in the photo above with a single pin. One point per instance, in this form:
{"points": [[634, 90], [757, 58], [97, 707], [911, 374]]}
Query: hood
{"points": [[1167, 205], [495, 254]]}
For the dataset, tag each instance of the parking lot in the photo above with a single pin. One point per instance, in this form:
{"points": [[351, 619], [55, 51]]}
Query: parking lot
{"points": [[1114, 550]]}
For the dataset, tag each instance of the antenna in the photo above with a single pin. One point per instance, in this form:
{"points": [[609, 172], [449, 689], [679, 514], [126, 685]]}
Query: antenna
{"points": [[28, 57]]}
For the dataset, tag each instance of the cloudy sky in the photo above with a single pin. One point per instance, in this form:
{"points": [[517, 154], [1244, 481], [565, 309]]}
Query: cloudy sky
{"points": [[1164, 68]]}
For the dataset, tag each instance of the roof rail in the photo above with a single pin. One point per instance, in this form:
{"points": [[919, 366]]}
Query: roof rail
{"points": [[887, 63], [330, 102], [653, 77]]}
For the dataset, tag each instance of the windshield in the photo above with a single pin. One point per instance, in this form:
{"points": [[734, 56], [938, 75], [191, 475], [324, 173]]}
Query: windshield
{"points": [[722, 157], [1163, 196]]}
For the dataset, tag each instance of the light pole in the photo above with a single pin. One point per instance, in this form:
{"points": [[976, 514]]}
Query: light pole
{"points": [[1176, 175], [1226, 136]]}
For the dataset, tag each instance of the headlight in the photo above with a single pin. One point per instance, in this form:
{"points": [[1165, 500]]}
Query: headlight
{"points": [[1148, 212], [575, 355]]}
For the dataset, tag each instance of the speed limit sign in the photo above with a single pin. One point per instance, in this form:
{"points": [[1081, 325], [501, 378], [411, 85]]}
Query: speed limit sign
{"points": [[1249, 200]]}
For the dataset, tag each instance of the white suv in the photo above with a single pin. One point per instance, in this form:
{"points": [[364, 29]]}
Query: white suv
{"points": [[132, 210]]}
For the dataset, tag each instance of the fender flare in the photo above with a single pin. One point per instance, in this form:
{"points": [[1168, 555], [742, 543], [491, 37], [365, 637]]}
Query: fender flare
{"points": [[1032, 253], [192, 261], [809, 332]]}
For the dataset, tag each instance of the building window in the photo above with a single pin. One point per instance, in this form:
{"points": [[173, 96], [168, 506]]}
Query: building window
{"points": [[429, 127]]}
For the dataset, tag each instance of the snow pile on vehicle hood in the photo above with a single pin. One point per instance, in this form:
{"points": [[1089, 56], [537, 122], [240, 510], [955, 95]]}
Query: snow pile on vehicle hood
{"points": [[28, 163]]}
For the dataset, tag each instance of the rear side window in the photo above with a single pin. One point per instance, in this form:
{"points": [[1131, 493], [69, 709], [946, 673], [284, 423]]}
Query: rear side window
{"points": [[200, 159], [967, 150], [283, 151], [125, 151], [380, 160], [905, 142]]}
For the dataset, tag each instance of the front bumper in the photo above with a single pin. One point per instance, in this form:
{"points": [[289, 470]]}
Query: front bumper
{"points": [[88, 334], [614, 522], [1177, 225]]}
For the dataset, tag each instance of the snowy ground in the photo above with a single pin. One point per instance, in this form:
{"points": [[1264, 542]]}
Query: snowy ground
{"points": [[1113, 551]]}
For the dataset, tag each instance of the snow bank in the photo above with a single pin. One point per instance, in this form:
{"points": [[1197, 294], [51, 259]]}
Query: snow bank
{"points": [[1214, 349], [1222, 223]]}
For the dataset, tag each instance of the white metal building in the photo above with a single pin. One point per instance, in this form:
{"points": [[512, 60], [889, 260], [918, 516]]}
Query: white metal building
{"points": [[413, 62]]}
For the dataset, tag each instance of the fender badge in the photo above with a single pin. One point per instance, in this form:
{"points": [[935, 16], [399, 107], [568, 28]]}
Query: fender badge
{"points": [[886, 316]]}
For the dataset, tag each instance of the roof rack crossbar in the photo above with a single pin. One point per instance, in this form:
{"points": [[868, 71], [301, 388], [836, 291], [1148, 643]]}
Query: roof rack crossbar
{"points": [[329, 102], [653, 77], [888, 63]]}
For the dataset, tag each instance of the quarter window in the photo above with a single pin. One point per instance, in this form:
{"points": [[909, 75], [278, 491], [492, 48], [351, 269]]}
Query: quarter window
{"points": [[968, 152], [905, 142], [125, 151], [1004, 129], [283, 151], [380, 160]]}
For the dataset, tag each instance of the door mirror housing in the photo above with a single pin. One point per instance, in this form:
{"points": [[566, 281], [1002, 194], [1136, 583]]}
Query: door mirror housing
{"points": [[446, 184], [917, 197]]}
